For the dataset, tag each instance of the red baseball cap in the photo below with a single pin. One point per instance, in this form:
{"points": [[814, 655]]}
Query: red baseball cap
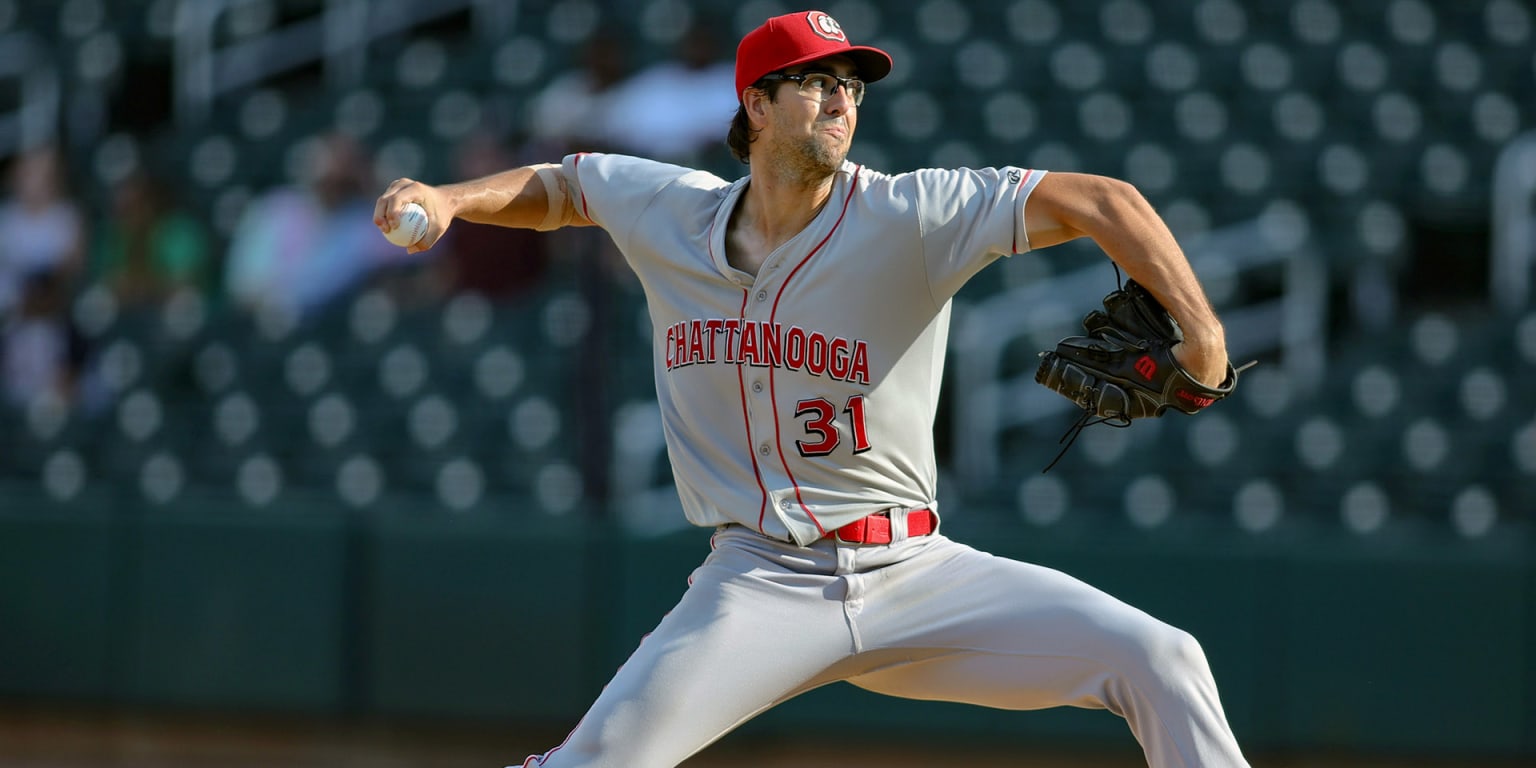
{"points": [[800, 37]]}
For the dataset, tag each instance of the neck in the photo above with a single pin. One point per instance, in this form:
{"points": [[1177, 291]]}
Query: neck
{"points": [[778, 204]]}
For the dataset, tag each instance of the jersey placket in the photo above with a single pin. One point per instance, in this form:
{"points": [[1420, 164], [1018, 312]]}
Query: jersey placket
{"points": [[773, 293], [762, 410]]}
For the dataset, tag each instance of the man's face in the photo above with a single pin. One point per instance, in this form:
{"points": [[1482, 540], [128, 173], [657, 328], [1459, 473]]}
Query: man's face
{"points": [[809, 129]]}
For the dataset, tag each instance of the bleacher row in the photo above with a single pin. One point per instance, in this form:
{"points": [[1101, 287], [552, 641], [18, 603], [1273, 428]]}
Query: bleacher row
{"points": [[1431, 431], [1217, 105], [459, 406], [1365, 113], [474, 409]]}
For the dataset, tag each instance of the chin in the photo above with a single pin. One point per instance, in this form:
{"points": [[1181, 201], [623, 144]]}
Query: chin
{"points": [[831, 154]]}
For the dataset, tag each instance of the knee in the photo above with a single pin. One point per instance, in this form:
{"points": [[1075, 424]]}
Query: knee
{"points": [[1149, 646], [1172, 652]]}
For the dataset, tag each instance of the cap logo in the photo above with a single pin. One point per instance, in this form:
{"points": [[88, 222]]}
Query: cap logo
{"points": [[826, 26]]}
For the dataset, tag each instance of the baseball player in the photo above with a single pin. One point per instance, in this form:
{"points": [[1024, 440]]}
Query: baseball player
{"points": [[801, 315]]}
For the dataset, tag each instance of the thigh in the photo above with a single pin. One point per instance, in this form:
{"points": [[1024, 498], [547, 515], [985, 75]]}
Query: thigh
{"points": [[998, 632], [747, 634]]}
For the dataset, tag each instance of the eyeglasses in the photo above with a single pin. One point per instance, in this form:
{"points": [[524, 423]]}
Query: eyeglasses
{"points": [[821, 85]]}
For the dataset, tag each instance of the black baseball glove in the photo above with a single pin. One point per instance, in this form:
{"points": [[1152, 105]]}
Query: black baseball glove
{"points": [[1124, 368]]}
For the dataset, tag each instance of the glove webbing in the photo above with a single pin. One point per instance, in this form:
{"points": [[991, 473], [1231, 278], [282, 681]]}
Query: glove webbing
{"points": [[1087, 420]]}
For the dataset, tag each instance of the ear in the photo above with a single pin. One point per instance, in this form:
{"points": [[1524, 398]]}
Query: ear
{"points": [[755, 103]]}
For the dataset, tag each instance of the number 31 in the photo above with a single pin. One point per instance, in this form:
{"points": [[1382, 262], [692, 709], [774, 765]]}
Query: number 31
{"points": [[821, 427]]}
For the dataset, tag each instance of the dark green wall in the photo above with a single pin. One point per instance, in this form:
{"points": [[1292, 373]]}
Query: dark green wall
{"points": [[1398, 643]]}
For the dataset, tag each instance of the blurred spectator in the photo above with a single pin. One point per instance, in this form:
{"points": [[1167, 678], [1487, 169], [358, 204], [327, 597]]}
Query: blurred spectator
{"points": [[496, 262], [299, 247], [40, 353], [572, 112], [147, 249], [42, 242], [676, 109], [41, 228]]}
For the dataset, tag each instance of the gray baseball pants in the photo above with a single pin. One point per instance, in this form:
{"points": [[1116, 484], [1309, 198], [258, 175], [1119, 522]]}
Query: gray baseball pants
{"points": [[922, 618]]}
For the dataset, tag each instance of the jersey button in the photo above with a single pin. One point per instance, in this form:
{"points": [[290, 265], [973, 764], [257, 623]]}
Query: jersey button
{"points": [[764, 449], [762, 295], [785, 505], [757, 386]]}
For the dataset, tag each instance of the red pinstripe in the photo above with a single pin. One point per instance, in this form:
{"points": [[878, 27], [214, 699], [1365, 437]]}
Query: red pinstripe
{"points": [[741, 386], [576, 165], [534, 761], [772, 380], [1027, 176]]}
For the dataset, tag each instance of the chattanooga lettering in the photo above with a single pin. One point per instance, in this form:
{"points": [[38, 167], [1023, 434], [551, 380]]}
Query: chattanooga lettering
{"points": [[734, 341]]}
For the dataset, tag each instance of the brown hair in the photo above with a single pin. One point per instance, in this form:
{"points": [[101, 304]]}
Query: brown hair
{"points": [[741, 135]]}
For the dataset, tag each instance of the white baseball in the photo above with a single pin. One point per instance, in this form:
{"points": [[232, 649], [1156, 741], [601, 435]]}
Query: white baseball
{"points": [[413, 224]]}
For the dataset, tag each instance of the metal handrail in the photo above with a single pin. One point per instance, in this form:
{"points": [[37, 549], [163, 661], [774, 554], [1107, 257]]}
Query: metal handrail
{"points": [[1513, 249], [986, 402], [338, 36], [35, 120]]}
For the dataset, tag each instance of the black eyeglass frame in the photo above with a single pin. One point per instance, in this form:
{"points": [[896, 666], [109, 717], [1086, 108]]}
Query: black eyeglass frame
{"points": [[844, 82]]}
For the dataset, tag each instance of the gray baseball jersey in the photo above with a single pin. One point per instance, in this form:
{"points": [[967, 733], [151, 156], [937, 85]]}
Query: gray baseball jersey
{"points": [[803, 398]]}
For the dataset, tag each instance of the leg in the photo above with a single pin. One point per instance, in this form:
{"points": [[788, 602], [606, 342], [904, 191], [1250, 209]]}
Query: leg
{"points": [[1011, 635], [748, 634]]}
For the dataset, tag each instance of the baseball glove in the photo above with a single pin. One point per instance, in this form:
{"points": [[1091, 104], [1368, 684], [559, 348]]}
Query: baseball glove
{"points": [[1124, 368]]}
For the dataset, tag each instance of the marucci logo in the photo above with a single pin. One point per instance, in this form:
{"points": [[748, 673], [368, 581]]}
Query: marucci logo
{"points": [[734, 341]]}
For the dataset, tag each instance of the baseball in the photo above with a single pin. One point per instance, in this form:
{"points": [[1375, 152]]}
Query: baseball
{"points": [[413, 224]]}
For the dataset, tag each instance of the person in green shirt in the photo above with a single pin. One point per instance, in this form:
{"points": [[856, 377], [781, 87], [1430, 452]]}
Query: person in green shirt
{"points": [[148, 249]]}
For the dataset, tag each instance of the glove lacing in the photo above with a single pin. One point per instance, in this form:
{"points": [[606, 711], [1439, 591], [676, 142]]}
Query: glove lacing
{"points": [[1083, 422], [1086, 419]]}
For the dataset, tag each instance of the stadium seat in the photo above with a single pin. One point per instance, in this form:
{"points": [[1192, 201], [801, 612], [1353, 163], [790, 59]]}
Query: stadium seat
{"points": [[230, 429], [419, 446], [38, 430], [1044, 500], [1365, 508], [259, 482], [1475, 512], [360, 483], [1037, 22], [1519, 348], [1259, 505], [1372, 115], [1482, 395]]}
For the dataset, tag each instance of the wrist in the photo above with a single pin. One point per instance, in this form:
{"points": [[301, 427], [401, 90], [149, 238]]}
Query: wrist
{"points": [[1206, 341], [1205, 363]]}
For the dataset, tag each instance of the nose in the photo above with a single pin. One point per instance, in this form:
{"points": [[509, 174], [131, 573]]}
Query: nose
{"points": [[839, 102]]}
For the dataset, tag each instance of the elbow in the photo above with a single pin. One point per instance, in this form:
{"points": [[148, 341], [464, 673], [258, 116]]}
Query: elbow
{"points": [[1118, 206], [1117, 198], [1066, 206]]}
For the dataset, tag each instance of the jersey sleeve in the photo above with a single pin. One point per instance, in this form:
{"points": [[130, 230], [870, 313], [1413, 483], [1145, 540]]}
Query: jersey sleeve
{"points": [[612, 191], [969, 219]]}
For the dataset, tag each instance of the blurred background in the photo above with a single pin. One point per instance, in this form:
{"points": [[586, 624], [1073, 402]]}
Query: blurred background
{"points": [[258, 466]]}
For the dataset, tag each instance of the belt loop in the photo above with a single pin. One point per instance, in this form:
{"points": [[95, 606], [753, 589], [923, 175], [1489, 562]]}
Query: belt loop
{"points": [[898, 524]]}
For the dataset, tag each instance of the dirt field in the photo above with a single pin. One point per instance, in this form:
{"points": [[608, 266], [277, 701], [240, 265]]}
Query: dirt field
{"points": [[70, 739]]}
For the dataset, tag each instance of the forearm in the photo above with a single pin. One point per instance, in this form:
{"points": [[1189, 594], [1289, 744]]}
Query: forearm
{"points": [[531, 197], [1124, 225], [1135, 238], [514, 198]]}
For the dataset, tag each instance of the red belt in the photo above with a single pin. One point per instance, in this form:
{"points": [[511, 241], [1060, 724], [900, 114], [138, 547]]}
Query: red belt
{"points": [[876, 529]]}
